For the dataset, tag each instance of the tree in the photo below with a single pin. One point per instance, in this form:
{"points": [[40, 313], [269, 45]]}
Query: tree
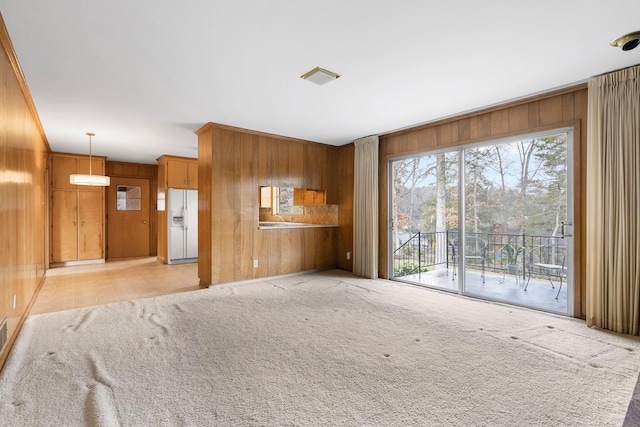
{"points": [[528, 172], [521, 185], [441, 193], [480, 209], [501, 168], [551, 193], [407, 174], [439, 211]]}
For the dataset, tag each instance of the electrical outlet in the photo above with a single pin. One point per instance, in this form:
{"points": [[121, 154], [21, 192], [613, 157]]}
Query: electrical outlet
{"points": [[348, 255], [14, 302], [255, 263]]}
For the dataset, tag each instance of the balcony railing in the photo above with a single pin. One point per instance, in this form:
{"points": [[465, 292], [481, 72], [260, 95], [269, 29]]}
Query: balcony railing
{"points": [[425, 251]]}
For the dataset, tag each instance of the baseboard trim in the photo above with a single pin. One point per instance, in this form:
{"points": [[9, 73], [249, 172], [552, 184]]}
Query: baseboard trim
{"points": [[262, 279], [74, 263]]}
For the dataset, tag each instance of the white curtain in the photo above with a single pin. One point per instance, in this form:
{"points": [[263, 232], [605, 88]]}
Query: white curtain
{"points": [[365, 208], [613, 202]]}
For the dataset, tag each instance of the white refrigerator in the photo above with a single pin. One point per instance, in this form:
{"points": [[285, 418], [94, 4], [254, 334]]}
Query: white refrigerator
{"points": [[182, 235]]}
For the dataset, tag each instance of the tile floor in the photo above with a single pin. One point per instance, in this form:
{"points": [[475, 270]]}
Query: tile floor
{"points": [[117, 280]]}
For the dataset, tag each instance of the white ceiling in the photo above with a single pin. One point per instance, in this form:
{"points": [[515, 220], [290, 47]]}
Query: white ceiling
{"points": [[145, 74]]}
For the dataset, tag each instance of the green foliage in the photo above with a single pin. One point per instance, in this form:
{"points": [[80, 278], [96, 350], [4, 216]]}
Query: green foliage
{"points": [[512, 252], [408, 268]]}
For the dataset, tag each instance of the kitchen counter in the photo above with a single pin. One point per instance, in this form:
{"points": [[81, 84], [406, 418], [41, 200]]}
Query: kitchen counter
{"points": [[268, 225]]}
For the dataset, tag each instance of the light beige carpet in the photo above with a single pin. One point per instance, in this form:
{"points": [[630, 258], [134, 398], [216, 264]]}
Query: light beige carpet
{"points": [[317, 350]]}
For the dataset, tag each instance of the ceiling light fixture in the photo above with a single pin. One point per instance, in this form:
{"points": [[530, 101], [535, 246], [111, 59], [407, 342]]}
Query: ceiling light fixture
{"points": [[320, 76], [628, 41], [93, 180]]}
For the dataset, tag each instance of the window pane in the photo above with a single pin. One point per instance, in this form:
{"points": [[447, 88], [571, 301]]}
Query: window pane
{"points": [[425, 218], [516, 202], [129, 198]]}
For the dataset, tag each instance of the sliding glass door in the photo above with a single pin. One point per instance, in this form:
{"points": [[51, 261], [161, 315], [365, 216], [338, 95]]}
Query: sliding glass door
{"points": [[425, 216], [492, 220]]}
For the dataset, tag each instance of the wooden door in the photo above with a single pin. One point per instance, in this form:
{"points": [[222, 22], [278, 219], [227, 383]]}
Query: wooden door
{"points": [[128, 217], [90, 225], [64, 225]]}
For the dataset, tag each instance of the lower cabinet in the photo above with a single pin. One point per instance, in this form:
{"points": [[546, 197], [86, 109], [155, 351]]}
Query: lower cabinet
{"points": [[77, 225]]}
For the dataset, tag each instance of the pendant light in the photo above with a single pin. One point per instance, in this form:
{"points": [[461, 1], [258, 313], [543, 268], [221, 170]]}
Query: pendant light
{"points": [[93, 180]]}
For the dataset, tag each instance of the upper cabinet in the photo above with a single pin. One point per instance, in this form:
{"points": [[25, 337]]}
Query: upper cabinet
{"points": [[180, 172], [63, 165], [306, 197], [276, 198]]}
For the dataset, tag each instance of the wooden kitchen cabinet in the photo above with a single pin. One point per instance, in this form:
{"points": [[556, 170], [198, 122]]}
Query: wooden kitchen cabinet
{"points": [[77, 211], [266, 197], [77, 223], [91, 214], [180, 172], [319, 197], [63, 165], [304, 197], [64, 225]]}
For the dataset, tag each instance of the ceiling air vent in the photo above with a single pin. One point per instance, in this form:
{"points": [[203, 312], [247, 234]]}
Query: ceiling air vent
{"points": [[320, 76]]}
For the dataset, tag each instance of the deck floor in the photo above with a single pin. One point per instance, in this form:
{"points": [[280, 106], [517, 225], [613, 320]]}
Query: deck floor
{"points": [[505, 288]]}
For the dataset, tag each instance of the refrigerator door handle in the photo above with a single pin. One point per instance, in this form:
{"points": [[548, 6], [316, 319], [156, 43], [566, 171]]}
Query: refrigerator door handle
{"points": [[185, 215]]}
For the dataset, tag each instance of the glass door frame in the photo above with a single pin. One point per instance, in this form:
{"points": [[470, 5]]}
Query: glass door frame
{"points": [[461, 271], [390, 222]]}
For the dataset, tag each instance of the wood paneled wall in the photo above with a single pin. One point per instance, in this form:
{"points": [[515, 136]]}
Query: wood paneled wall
{"points": [[24, 155], [140, 170], [566, 108], [343, 167], [232, 164]]}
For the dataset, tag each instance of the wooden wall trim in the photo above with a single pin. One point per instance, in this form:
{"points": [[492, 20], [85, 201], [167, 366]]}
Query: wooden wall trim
{"points": [[79, 155], [5, 39], [485, 110], [211, 125], [169, 156]]}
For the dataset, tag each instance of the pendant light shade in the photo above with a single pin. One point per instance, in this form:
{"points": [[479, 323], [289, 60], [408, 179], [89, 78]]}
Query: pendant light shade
{"points": [[93, 180]]}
